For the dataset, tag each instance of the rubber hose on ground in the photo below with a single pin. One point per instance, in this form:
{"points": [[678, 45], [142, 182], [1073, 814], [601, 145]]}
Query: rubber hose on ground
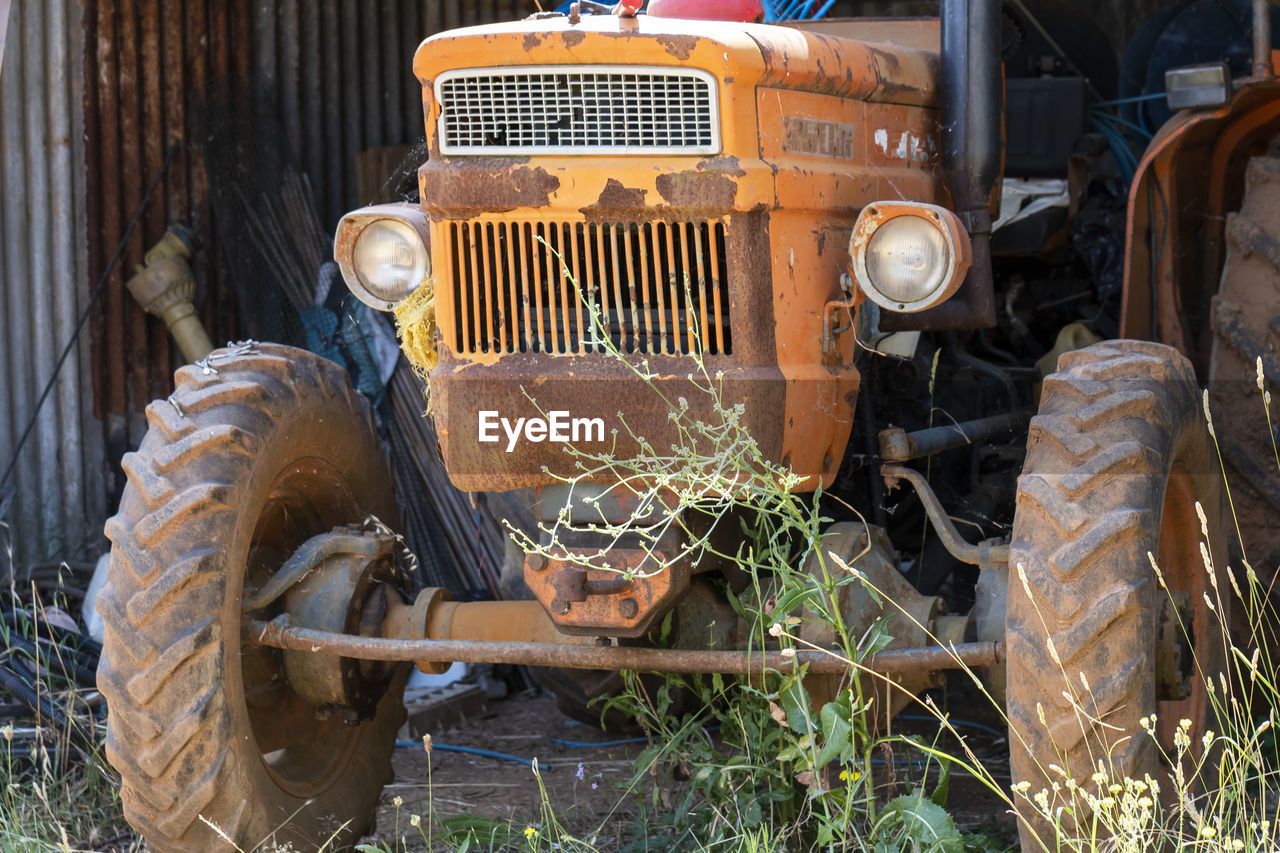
{"points": [[54, 664], [19, 688]]}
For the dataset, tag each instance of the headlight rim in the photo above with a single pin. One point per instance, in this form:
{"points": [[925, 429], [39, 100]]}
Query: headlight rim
{"points": [[353, 225], [955, 239]]}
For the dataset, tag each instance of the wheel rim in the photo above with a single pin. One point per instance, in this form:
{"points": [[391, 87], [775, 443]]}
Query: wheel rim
{"points": [[1183, 571], [301, 753]]}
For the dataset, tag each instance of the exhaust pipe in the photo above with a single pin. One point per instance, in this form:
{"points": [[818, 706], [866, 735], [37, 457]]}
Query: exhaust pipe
{"points": [[972, 107], [972, 88]]}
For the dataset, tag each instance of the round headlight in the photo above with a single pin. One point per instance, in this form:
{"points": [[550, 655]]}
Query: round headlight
{"points": [[907, 258], [390, 260]]}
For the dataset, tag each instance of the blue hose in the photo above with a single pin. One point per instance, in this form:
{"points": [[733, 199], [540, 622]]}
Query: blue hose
{"points": [[1135, 99], [467, 750]]}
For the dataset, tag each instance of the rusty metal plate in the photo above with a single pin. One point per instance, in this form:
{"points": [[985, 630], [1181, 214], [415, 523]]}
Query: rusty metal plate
{"points": [[605, 601]]}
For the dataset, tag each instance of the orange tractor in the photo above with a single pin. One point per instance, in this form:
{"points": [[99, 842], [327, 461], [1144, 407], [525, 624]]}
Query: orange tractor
{"points": [[613, 203]]}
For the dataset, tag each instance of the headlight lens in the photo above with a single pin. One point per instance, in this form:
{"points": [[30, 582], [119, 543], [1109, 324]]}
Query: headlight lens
{"points": [[907, 258], [390, 259]]}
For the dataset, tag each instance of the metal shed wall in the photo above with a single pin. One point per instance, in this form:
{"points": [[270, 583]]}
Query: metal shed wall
{"points": [[335, 74], [58, 506]]}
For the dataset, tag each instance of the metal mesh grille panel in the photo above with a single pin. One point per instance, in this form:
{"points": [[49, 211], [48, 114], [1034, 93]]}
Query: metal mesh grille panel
{"points": [[578, 109], [657, 287]]}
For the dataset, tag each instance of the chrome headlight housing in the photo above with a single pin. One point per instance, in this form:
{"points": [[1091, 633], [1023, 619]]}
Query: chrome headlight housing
{"points": [[909, 256], [384, 253]]}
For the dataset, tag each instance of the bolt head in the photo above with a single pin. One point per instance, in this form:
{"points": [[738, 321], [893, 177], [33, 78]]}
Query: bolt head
{"points": [[628, 608], [536, 562], [559, 606]]}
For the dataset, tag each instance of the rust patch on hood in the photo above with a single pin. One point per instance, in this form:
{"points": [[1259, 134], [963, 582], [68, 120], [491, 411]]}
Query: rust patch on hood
{"points": [[486, 185], [710, 184], [678, 46], [532, 40], [573, 38], [888, 82], [615, 198]]}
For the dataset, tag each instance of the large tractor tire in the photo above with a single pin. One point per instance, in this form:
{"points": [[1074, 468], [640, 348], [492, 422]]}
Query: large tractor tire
{"points": [[1244, 319], [1117, 458], [245, 461]]}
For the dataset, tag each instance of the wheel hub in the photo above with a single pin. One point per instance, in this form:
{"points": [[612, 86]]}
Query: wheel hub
{"points": [[344, 592]]}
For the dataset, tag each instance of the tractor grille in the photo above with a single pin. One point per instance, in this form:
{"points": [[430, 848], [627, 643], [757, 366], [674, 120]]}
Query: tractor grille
{"points": [[578, 110], [656, 287]]}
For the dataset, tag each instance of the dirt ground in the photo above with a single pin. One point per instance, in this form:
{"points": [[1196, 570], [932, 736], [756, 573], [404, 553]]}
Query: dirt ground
{"points": [[522, 726], [585, 784]]}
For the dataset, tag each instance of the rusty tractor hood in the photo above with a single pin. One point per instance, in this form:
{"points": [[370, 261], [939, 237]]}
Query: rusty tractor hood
{"points": [[747, 55]]}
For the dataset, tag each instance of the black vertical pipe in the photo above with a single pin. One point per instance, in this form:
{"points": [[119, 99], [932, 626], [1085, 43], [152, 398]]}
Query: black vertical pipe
{"points": [[972, 88], [972, 106]]}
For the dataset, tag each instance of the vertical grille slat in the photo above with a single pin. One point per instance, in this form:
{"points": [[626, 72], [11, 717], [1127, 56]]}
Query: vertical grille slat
{"points": [[529, 286], [700, 284], [716, 283], [477, 311], [646, 303], [578, 109], [637, 327], [670, 277], [626, 330], [694, 329]]}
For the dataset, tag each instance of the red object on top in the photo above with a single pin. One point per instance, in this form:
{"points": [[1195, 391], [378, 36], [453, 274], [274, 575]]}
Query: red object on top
{"points": [[745, 11]]}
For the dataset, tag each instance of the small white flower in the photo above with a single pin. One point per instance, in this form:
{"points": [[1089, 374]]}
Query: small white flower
{"points": [[1053, 651]]}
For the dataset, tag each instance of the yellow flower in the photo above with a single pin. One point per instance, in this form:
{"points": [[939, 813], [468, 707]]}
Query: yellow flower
{"points": [[530, 832], [846, 776], [1208, 832]]}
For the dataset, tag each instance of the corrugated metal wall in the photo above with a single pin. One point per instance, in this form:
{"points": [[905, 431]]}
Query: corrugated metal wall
{"points": [[335, 74], [59, 505]]}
